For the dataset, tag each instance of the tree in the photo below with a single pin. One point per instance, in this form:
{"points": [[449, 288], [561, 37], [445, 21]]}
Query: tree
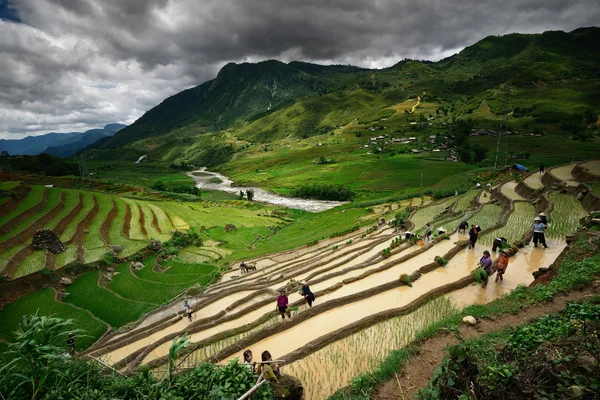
{"points": [[241, 195], [250, 194], [479, 152]]}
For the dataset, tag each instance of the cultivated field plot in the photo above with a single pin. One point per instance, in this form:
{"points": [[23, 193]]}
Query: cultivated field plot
{"points": [[518, 224], [565, 216], [564, 173], [534, 181], [91, 223]]}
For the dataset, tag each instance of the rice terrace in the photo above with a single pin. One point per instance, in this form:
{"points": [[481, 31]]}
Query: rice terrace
{"points": [[289, 230]]}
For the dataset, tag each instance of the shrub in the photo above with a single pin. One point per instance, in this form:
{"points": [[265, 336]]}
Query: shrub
{"points": [[314, 242], [324, 192], [441, 260], [480, 275], [404, 278]]}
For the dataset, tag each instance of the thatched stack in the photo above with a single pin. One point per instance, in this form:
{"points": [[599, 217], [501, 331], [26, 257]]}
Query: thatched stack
{"points": [[46, 239]]}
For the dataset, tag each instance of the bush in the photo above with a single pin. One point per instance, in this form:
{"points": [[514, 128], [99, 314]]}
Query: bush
{"points": [[324, 192], [404, 278], [480, 275], [440, 260]]}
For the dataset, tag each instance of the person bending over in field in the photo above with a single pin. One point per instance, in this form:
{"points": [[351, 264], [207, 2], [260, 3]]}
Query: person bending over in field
{"points": [[498, 243], [307, 294], [282, 304], [502, 265], [462, 228]]}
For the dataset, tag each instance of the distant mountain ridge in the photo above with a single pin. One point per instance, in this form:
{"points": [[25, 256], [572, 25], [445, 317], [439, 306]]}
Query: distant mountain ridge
{"points": [[58, 144]]}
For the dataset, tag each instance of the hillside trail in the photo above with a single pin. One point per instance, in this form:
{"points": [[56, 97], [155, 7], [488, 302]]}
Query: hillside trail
{"points": [[412, 110], [417, 372]]}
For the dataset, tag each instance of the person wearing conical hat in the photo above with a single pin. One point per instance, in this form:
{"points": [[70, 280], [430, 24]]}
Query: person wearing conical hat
{"points": [[543, 218], [539, 232]]}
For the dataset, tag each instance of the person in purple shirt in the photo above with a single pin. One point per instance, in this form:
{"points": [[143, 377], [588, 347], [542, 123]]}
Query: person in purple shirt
{"points": [[486, 262], [282, 303]]}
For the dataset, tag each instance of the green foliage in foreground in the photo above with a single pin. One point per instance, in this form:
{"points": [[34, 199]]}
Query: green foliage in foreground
{"points": [[36, 367], [324, 192], [573, 273], [42, 302], [547, 357]]}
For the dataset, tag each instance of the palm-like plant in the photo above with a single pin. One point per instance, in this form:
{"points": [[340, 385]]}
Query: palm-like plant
{"points": [[36, 355], [179, 343]]}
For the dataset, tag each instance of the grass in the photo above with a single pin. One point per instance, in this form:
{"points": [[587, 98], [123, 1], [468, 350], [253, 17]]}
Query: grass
{"points": [[88, 204], [34, 262], [93, 244], [135, 231], [115, 233], [519, 222], [565, 215], [52, 201], [156, 293], [178, 272], [104, 304], [487, 217], [8, 185], [428, 214], [33, 197], [42, 302], [71, 201], [595, 187], [306, 228], [463, 201]]}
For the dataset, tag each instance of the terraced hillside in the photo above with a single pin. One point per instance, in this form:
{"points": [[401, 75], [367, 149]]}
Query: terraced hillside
{"points": [[357, 285], [92, 224]]}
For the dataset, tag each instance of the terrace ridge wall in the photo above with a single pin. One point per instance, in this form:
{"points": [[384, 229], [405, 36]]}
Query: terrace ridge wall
{"points": [[583, 174]]}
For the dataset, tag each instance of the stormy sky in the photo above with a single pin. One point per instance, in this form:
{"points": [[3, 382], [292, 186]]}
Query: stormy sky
{"points": [[69, 65]]}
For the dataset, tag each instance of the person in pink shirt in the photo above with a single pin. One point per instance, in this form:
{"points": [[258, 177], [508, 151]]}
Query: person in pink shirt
{"points": [[282, 304]]}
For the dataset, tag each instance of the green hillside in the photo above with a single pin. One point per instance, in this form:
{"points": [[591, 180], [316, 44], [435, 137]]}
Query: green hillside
{"points": [[254, 117]]}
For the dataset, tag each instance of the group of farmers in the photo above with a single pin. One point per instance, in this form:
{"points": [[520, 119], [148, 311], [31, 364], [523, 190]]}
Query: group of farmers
{"points": [[283, 302]]}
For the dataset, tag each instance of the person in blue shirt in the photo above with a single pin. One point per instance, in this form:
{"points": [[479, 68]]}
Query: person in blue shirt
{"points": [[539, 232]]}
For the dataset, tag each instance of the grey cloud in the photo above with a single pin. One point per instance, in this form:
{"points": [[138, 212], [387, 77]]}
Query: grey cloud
{"points": [[82, 63]]}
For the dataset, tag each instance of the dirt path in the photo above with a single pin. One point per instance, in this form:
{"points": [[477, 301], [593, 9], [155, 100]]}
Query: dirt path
{"points": [[104, 229], [142, 221], [13, 223], [11, 204], [417, 372], [82, 228], [412, 110], [127, 222], [155, 221], [27, 233]]}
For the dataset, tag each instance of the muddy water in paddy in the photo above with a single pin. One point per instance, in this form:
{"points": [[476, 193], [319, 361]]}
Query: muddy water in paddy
{"points": [[226, 185], [334, 366], [534, 181], [508, 189], [564, 173], [593, 166], [205, 312]]}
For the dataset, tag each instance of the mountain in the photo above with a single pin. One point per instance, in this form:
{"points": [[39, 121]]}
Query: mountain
{"points": [[554, 76], [58, 144]]}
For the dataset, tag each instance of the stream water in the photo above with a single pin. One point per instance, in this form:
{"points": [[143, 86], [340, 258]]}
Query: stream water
{"points": [[202, 177]]}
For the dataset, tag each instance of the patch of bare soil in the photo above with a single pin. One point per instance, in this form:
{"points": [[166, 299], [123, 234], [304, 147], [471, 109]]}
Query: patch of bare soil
{"points": [[417, 372], [82, 228], [11, 204], [16, 221], [28, 233], [127, 222], [63, 223], [108, 223], [155, 221], [142, 221], [49, 261]]}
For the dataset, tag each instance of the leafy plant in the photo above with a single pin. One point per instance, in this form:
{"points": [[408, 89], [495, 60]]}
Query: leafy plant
{"points": [[480, 275], [404, 278], [440, 260]]}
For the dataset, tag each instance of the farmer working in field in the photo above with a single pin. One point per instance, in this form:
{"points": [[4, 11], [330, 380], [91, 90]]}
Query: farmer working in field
{"points": [[486, 264], [502, 265], [428, 231], [188, 310], [539, 232], [543, 217], [462, 228], [282, 304], [473, 235], [498, 243], [307, 294]]}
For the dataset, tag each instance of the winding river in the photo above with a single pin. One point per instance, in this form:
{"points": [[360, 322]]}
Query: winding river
{"points": [[226, 185]]}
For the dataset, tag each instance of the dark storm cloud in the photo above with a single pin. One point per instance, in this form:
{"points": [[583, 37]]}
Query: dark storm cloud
{"points": [[78, 63]]}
